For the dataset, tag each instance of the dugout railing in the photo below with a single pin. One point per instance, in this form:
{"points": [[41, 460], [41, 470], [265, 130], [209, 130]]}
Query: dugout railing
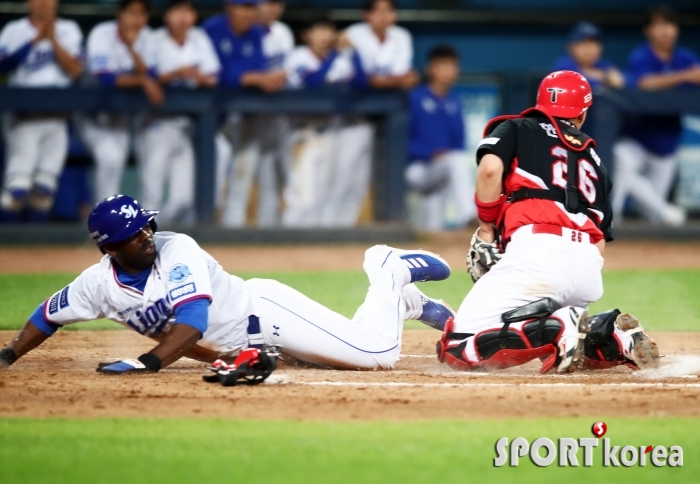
{"points": [[208, 107]]}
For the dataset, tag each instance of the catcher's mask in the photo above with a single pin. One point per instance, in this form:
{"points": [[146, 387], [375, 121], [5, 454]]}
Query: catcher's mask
{"points": [[252, 366]]}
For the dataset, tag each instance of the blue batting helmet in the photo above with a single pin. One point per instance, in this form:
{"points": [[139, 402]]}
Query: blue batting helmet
{"points": [[117, 218]]}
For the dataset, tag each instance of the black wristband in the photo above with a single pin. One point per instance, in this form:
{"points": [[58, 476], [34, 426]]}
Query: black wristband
{"points": [[150, 361], [8, 355]]}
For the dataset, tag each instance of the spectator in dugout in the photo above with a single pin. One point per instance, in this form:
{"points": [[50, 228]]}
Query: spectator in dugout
{"points": [[120, 54], [273, 130], [385, 48], [183, 57], [645, 164], [585, 56], [324, 162], [39, 50], [239, 39], [439, 164]]}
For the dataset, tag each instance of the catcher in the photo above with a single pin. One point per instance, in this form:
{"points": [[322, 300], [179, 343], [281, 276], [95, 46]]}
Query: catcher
{"points": [[543, 200]]}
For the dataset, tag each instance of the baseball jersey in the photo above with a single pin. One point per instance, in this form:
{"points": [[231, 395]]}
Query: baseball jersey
{"points": [[108, 56], [392, 57], [238, 54], [658, 134], [567, 63], [436, 124], [34, 65], [278, 43], [182, 273], [197, 51], [305, 69], [535, 157]]}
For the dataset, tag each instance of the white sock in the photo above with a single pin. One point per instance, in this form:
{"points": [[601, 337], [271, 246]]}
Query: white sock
{"points": [[414, 302]]}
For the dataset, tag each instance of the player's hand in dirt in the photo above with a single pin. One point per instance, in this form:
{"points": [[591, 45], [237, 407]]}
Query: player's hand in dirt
{"points": [[482, 256], [123, 367]]}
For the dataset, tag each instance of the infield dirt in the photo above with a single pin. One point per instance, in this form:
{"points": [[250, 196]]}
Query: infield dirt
{"points": [[59, 378]]}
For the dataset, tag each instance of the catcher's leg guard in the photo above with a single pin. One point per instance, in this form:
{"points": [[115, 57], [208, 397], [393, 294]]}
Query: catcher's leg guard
{"points": [[602, 349], [533, 334], [618, 339]]}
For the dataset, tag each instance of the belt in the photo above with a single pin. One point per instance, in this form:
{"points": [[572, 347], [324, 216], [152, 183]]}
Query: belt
{"points": [[569, 234]]}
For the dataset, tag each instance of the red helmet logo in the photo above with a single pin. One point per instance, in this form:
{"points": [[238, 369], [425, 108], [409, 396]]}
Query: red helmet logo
{"points": [[564, 94]]}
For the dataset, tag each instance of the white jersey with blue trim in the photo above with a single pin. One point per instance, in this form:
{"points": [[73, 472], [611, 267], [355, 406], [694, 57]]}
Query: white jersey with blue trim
{"points": [[108, 54], [302, 62], [392, 56], [182, 272], [40, 67], [278, 42], [197, 51]]}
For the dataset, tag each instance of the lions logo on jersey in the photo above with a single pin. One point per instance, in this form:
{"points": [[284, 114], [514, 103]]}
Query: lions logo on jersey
{"points": [[179, 273]]}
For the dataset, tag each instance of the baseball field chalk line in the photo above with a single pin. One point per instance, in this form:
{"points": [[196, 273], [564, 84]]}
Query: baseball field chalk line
{"points": [[282, 381]]}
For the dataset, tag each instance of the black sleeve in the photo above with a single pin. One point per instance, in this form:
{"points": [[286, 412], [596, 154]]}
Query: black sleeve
{"points": [[501, 142]]}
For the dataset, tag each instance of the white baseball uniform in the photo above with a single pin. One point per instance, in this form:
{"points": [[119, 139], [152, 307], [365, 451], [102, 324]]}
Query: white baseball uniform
{"points": [[277, 44], [242, 312], [392, 56], [329, 177], [168, 151], [262, 145], [107, 135], [648, 178], [389, 57], [37, 144]]}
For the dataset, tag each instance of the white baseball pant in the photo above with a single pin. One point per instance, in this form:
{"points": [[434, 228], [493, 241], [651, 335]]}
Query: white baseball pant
{"points": [[309, 179], [313, 333], [351, 173], [36, 153], [107, 138], [447, 175], [273, 136], [168, 159], [533, 267], [224, 161], [644, 176]]}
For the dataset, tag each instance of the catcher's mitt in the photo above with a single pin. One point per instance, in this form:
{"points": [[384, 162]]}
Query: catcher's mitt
{"points": [[482, 256], [251, 367]]}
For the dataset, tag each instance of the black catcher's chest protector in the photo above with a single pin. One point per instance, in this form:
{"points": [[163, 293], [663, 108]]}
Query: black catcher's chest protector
{"points": [[555, 156]]}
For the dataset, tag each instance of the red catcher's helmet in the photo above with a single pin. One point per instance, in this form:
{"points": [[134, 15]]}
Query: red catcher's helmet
{"points": [[564, 94]]}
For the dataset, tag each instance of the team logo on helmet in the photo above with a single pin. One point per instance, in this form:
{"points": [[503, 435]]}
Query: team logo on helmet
{"points": [[554, 91], [129, 211]]}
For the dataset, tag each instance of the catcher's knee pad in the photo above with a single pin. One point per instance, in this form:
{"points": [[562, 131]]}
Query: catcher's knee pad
{"points": [[601, 348]]}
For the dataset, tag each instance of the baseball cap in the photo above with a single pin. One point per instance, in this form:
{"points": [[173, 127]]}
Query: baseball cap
{"points": [[242, 2], [584, 31]]}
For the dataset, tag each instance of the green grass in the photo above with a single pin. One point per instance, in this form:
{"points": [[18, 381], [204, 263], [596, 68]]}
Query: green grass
{"points": [[663, 300], [230, 451]]}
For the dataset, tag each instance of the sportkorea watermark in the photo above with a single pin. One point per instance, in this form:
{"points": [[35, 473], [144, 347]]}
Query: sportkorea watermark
{"points": [[570, 452]]}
